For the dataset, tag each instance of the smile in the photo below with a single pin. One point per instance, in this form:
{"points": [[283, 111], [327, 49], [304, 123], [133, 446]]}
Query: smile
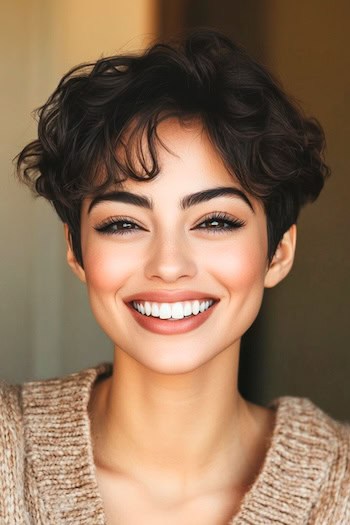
{"points": [[177, 310]]}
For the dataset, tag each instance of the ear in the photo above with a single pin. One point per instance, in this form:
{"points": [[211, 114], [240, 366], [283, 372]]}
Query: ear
{"points": [[71, 259], [282, 261]]}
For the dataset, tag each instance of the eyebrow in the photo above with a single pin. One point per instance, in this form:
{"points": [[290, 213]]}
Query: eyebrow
{"points": [[122, 196], [207, 195], [185, 203]]}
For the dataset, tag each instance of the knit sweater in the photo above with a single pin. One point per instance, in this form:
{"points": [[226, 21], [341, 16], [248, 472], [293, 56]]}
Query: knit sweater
{"points": [[47, 473]]}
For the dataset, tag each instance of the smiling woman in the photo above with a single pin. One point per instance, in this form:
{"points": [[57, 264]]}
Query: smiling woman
{"points": [[179, 175], [192, 216]]}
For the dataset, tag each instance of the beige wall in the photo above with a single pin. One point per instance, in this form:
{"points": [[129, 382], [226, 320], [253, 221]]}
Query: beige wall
{"points": [[45, 323], [306, 337]]}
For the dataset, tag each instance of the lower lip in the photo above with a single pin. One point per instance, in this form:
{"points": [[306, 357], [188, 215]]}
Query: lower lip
{"points": [[171, 327]]}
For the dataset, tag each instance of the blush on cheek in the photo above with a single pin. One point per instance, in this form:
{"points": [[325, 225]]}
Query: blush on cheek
{"points": [[241, 268], [105, 270], [242, 274]]}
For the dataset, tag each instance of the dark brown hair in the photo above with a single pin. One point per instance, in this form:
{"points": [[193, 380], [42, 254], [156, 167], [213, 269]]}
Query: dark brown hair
{"points": [[264, 139]]}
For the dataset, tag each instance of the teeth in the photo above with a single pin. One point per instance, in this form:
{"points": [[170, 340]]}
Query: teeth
{"points": [[164, 311], [195, 307], [155, 310], [177, 310], [148, 308], [187, 309]]}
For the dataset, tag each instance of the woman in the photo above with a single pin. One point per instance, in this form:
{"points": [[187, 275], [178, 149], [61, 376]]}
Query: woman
{"points": [[179, 175]]}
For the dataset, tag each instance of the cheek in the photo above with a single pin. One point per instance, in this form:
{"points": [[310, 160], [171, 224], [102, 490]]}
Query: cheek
{"points": [[105, 267], [242, 264]]}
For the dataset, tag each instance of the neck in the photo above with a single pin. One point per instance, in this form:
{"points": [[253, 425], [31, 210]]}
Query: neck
{"points": [[184, 427]]}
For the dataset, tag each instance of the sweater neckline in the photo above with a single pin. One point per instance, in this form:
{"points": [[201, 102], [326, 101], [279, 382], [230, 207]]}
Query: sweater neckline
{"points": [[60, 455]]}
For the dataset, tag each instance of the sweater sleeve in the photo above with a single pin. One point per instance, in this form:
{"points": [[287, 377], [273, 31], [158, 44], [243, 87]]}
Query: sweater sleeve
{"points": [[11, 456]]}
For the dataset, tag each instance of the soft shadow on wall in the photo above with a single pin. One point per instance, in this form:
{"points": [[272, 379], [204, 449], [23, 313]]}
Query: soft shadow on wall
{"points": [[299, 343]]}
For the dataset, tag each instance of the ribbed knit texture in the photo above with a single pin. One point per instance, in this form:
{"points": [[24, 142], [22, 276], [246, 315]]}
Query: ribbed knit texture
{"points": [[47, 473]]}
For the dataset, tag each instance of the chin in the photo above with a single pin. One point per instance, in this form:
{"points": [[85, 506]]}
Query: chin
{"points": [[173, 362]]}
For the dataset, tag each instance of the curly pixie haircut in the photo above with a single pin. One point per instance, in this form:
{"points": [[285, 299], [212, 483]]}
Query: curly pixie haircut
{"points": [[266, 143]]}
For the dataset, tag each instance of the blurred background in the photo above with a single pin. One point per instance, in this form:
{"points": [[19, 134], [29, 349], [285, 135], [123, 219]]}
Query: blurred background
{"points": [[299, 344]]}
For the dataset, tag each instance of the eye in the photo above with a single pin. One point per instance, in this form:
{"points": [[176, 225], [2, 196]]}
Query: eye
{"points": [[117, 226], [219, 223]]}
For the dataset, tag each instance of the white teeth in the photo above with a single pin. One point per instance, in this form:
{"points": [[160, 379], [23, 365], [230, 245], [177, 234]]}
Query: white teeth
{"points": [[155, 310], [177, 310], [164, 311], [148, 308], [195, 307], [187, 309]]}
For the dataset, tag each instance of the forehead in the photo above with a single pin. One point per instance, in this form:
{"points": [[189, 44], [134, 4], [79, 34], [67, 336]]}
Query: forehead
{"points": [[188, 163], [185, 156], [187, 149]]}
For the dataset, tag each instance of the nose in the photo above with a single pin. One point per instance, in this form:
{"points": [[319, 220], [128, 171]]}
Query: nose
{"points": [[171, 258]]}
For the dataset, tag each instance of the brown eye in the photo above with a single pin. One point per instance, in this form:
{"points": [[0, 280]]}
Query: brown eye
{"points": [[220, 222], [118, 226]]}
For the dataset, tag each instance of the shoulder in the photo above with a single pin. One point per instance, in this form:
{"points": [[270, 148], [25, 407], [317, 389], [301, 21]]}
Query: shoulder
{"points": [[320, 446], [10, 411], [64, 391], [58, 445], [312, 425], [22, 406], [44, 428], [11, 449], [311, 421], [52, 406]]}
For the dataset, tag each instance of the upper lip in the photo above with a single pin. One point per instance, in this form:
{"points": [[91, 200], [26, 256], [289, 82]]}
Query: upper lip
{"points": [[164, 296]]}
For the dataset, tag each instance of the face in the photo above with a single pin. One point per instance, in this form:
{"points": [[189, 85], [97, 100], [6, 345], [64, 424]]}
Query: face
{"points": [[164, 254]]}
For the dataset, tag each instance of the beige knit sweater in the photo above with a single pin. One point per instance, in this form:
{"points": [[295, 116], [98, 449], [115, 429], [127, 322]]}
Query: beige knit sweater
{"points": [[47, 470]]}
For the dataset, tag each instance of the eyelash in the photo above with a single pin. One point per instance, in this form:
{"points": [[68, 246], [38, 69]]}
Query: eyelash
{"points": [[233, 224], [106, 227]]}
